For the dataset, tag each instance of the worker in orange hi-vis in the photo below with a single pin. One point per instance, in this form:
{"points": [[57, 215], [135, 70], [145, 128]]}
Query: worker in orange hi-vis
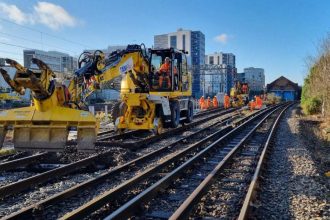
{"points": [[165, 74], [208, 102], [202, 103], [226, 101], [252, 105], [215, 102], [258, 102]]}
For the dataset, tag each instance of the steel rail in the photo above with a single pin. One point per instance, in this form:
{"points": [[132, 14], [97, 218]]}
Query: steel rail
{"points": [[253, 185], [4, 157], [112, 194], [185, 208], [27, 212], [152, 139], [116, 139], [129, 207], [22, 161], [24, 184], [27, 183]]}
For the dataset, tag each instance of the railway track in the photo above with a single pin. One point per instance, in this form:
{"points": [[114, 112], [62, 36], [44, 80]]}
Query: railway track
{"points": [[124, 200], [222, 191], [137, 138], [22, 158], [27, 183], [184, 146], [116, 140]]}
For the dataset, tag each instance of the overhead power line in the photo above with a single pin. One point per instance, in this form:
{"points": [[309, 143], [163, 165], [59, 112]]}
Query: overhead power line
{"points": [[9, 52], [15, 45], [36, 42], [44, 33]]}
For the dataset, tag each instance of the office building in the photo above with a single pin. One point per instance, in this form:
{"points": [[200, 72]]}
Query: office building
{"points": [[161, 41], [221, 58], [223, 76], [194, 43], [57, 61], [255, 77]]}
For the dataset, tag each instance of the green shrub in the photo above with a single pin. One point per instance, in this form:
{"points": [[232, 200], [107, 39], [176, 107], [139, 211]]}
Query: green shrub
{"points": [[311, 105]]}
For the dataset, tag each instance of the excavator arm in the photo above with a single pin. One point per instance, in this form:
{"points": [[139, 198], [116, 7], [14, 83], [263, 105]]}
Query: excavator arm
{"points": [[130, 65], [46, 124]]}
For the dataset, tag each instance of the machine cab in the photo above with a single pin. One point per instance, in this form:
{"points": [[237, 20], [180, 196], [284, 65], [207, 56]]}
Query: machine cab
{"points": [[168, 70]]}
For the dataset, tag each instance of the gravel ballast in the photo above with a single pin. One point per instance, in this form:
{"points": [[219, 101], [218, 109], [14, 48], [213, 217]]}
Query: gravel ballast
{"points": [[292, 186]]}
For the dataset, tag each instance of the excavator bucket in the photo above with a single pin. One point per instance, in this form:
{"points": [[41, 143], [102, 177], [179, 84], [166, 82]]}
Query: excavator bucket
{"points": [[48, 131]]}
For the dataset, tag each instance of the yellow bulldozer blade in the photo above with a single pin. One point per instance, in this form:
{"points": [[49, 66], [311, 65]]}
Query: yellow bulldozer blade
{"points": [[48, 130]]}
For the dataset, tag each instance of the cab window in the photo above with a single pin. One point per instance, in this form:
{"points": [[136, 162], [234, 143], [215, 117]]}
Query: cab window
{"points": [[156, 62], [184, 72]]}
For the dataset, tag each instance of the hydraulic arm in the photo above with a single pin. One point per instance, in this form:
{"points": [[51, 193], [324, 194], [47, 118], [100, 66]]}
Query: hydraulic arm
{"points": [[151, 97], [46, 124]]}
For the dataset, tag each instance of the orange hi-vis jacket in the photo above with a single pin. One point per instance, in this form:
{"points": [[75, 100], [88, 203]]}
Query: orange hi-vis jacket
{"points": [[215, 102], [165, 69], [252, 105], [226, 101], [202, 102], [258, 102]]}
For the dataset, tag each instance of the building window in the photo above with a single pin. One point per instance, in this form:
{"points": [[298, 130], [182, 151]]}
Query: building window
{"points": [[211, 60], [173, 41], [184, 42]]}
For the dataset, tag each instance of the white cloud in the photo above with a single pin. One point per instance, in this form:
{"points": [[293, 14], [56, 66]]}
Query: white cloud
{"points": [[222, 38], [13, 13], [53, 16], [49, 14]]}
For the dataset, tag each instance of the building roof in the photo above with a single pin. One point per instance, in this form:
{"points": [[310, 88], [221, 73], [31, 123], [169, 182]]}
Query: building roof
{"points": [[282, 83]]}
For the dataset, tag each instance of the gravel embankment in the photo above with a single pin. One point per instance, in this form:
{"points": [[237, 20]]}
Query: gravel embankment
{"points": [[292, 187]]}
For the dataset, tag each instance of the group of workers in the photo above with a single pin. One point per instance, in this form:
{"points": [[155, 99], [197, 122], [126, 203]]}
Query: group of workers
{"points": [[207, 103]]}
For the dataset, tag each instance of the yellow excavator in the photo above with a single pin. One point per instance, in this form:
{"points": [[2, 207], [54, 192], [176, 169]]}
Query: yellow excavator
{"points": [[45, 125], [150, 99], [239, 94]]}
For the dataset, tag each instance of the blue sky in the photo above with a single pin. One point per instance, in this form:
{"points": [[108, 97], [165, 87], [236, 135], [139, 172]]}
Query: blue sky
{"points": [[275, 35]]}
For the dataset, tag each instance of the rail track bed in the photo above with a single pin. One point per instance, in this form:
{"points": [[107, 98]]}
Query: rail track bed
{"points": [[135, 139], [130, 139], [177, 172], [79, 174]]}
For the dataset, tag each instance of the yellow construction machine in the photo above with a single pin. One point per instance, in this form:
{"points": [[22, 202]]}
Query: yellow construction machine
{"points": [[239, 94], [45, 125], [150, 98]]}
